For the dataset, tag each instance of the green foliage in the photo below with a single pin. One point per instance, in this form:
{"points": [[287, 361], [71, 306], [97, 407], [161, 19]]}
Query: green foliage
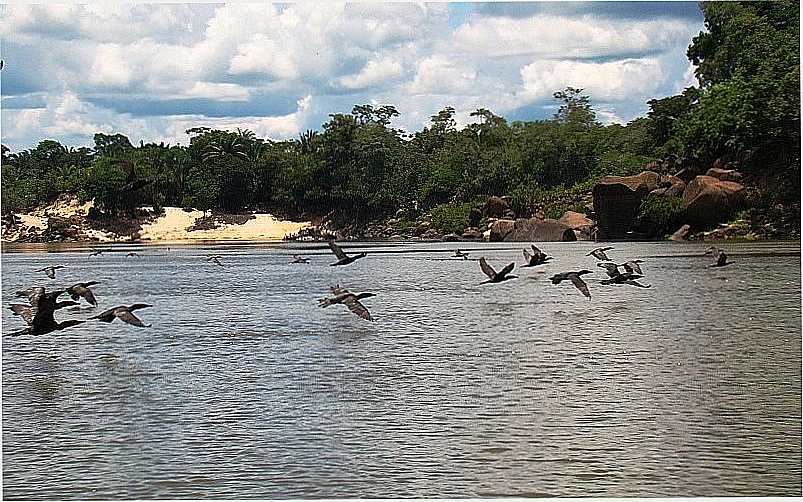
{"points": [[660, 215], [450, 218]]}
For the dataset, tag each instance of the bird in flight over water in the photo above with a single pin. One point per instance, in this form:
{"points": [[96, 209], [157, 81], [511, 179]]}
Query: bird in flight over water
{"points": [[350, 300], [578, 282], [493, 275], [343, 258], [599, 253], [50, 271], [537, 258], [124, 314]]}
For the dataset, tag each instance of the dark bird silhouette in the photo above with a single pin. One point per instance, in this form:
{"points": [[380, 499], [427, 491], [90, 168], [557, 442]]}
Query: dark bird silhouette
{"points": [[350, 300], [124, 314], [132, 253], [493, 275], [721, 259], [537, 258], [578, 282], [343, 258], [460, 254], [632, 266], [98, 252], [81, 290], [39, 314], [50, 271], [299, 259], [599, 253], [626, 278], [610, 268], [215, 258]]}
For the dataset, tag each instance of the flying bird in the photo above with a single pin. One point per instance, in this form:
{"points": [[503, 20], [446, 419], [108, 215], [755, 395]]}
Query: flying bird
{"points": [[124, 314], [599, 254], [578, 282], [50, 271], [98, 252], [350, 300], [39, 314], [460, 254], [215, 258], [132, 253], [537, 258], [343, 258], [299, 259], [632, 266], [626, 278], [721, 259], [81, 290], [493, 275]]}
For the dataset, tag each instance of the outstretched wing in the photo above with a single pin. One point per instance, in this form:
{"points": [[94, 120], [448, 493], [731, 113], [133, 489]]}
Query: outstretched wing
{"points": [[536, 251], [32, 294], [580, 284], [487, 269], [358, 308], [527, 257], [633, 267], [85, 293], [23, 311], [337, 251], [507, 269], [130, 318]]}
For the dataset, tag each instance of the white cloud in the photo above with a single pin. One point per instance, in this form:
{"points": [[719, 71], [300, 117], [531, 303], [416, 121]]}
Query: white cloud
{"points": [[373, 73], [439, 75], [615, 80], [561, 37]]}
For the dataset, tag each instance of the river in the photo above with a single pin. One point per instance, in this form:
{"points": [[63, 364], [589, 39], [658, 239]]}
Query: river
{"points": [[243, 387]]}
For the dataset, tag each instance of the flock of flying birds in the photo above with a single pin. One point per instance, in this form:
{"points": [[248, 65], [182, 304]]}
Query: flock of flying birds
{"points": [[39, 313]]}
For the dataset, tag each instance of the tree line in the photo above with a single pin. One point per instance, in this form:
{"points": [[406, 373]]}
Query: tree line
{"points": [[359, 165]]}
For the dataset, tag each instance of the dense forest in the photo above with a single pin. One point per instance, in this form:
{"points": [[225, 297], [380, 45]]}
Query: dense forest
{"points": [[746, 108]]}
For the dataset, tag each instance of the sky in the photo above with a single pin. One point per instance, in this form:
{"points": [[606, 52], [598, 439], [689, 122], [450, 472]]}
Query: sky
{"points": [[151, 71]]}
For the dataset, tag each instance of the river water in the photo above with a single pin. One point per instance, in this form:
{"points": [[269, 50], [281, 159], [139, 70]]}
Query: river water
{"points": [[243, 388]]}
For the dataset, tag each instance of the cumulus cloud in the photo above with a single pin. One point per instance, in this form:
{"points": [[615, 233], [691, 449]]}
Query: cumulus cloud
{"points": [[608, 81], [141, 68]]}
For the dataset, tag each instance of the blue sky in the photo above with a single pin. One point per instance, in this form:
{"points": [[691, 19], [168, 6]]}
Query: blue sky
{"points": [[151, 71]]}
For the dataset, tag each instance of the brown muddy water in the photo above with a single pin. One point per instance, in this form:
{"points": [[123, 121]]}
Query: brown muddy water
{"points": [[244, 388]]}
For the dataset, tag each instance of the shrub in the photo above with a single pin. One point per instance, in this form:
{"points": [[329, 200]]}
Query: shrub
{"points": [[450, 218], [659, 216]]}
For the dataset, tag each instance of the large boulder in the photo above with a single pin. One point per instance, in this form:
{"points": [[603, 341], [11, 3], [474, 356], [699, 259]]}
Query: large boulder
{"points": [[708, 200], [580, 223], [495, 207], [617, 199], [500, 229], [538, 230]]}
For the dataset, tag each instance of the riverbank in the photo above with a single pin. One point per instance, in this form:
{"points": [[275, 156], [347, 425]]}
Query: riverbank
{"points": [[68, 220]]}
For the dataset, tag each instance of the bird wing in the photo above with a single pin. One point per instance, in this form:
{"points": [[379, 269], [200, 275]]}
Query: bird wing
{"points": [[487, 269], [536, 251], [51, 272], [130, 318], [85, 292], [216, 260], [580, 284], [357, 308], [722, 258], [610, 269], [32, 294], [106, 316], [527, 257], [633, 267], [507, 269], [24, 311], [337, 251]]}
